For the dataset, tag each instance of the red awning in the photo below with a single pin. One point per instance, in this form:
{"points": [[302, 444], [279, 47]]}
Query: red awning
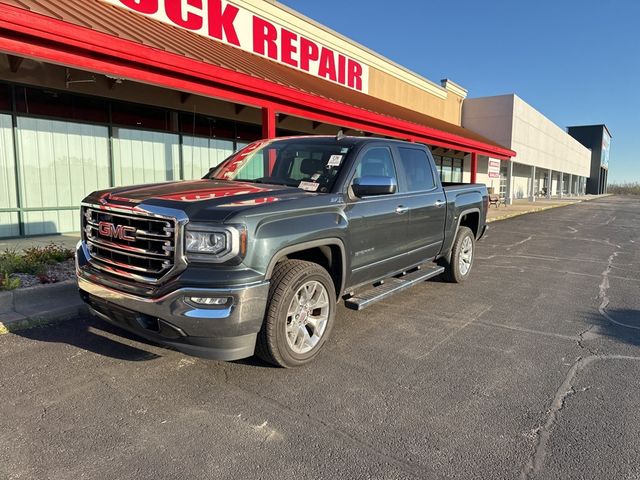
{"points": [[96, 36]]}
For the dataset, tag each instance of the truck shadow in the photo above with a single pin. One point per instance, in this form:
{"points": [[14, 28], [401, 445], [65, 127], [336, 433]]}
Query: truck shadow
{"points": [[626, 328], [93, 335], [97, 336]]}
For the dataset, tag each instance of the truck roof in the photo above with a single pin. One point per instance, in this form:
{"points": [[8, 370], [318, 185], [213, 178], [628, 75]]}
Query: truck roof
{"points": [[347, 139]]}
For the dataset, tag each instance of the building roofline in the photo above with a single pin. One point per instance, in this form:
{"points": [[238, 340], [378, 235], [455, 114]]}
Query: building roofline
{"points": [[53, 40], [339, 35], [591, 126], [494, 96]]}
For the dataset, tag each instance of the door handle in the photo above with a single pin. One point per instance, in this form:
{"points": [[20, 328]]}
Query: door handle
{"points": [[400, 210], [440, 203]]}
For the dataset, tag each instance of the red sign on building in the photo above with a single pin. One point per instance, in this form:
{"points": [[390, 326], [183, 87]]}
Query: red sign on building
{"points": [[238, 27]]}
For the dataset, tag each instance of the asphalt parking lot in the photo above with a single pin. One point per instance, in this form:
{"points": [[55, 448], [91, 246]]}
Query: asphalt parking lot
{"points": [[529, 370]]}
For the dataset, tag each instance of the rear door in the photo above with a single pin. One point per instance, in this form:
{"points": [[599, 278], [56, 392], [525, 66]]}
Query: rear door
{"points": [[377, 224], [426, 202]]}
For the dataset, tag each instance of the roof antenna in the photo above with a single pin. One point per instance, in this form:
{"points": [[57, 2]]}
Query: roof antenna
{"points": [[340, 135]]}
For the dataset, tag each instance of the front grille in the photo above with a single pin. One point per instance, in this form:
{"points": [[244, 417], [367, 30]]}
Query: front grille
{"points": [[134, 246]]}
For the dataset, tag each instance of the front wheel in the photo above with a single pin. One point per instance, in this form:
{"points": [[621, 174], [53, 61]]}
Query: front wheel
{"points": [[458, 267], [300, 314]]}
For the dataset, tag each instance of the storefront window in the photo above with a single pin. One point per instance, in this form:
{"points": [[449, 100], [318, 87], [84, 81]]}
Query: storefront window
{"points": [[141, 156], [56, 104], [141, 116], [5, 97], [8, 198], [450, 169], [248, 133], [200, 154], [60, 163], [203, 126], [438, 161], [456, 174], [447, 164]]}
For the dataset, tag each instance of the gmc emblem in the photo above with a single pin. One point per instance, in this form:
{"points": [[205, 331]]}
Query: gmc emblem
{"points": [[120, 232]]}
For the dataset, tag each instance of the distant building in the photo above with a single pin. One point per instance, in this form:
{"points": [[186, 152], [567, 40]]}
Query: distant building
{"points": [[598, 139], [549, 163]]}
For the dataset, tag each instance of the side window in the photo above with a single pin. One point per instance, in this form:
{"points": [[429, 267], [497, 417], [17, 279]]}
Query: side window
{"points": [[376, 162], [417, 169]]}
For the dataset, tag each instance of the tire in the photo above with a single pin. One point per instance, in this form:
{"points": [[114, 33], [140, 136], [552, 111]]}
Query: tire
{"points": [[461, 254], [281, 340]]}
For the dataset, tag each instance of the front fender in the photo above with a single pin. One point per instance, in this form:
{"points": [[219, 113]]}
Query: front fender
{"points": [[276, 238]]}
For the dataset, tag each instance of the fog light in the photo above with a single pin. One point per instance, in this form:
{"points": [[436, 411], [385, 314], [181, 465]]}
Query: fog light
{"points": [[210, 301]]}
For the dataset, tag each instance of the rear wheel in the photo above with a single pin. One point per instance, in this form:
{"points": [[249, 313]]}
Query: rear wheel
{"points": [[300, 314], [458, 267]]}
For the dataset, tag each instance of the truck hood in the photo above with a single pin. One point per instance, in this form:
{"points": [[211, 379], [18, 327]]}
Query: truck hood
{"points": [[218, 198]]}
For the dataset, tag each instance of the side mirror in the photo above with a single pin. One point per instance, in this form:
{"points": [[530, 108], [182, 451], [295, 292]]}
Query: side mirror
{"points": [[374, 185]]}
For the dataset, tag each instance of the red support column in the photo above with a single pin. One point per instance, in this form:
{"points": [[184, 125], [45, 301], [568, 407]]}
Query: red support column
{"points": [[474, 167], [268, 123], [269, 132]]}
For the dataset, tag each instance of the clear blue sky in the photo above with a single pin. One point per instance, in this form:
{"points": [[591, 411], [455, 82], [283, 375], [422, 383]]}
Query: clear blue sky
{"points": [[578, 62]]}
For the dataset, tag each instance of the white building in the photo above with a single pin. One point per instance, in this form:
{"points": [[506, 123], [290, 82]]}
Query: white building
{"points": [[550, 162]]}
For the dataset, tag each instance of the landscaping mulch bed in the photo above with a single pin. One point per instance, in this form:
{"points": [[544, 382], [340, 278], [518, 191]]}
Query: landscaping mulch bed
{"points": [[35, 266], [55, 273]]}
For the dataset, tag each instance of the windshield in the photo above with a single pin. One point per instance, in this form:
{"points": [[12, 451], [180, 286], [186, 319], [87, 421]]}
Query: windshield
{"points": [[309, 165]]}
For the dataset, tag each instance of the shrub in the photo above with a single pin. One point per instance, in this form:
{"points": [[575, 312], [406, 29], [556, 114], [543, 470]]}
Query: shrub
{"points": [[10, 262], [48, 255], [625, 188], [33, 261], [9, 283]]}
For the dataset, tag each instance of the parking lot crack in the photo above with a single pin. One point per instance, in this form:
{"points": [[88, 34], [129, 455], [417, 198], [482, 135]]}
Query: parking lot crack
{"points": [[604, 297], [581, 340], [567, 389]]}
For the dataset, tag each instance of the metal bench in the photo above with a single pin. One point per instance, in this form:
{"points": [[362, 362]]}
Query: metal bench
{"points": [[497, 200]]}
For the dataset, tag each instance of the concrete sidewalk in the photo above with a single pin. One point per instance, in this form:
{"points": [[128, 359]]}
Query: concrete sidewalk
{"points": [[68, 240]]}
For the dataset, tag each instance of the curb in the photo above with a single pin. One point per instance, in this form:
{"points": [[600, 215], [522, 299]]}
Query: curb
{"points": [[526, 212], [39, 305], [542, 209]]}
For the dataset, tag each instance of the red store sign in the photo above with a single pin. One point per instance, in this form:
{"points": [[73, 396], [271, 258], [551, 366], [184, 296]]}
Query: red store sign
{"points": [[222, 21], [494, 168]]}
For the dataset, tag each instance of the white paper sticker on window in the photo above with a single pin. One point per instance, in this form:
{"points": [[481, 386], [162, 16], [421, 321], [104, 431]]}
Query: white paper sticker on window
{"points": [[315, 176], [309, 186], [335, 161]]}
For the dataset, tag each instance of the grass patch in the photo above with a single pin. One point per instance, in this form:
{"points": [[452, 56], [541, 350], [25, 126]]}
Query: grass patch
{"points": [[32, 261]]}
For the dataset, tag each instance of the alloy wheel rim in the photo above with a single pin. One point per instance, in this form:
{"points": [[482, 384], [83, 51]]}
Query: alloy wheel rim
{"points": [[307, 317], [466, 255]]}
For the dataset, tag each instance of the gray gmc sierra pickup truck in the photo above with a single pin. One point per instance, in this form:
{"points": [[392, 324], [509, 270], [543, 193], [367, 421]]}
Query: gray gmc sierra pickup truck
{"points": [[254, 257]]}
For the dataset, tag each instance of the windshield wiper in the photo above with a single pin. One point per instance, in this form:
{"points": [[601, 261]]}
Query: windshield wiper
{"points": [[262, 182]]}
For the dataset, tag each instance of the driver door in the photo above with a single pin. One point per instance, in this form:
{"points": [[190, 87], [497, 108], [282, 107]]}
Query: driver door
{"points": [[377, 224]]}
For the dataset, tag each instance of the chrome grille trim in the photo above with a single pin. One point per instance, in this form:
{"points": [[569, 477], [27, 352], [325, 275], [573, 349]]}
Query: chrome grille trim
{"points": [[126, 249], [151, 257], [143, 233], [124, 265]]}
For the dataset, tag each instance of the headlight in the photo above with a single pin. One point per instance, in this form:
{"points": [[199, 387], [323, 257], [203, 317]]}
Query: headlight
{"points": [[213, 243], [206, 242]]}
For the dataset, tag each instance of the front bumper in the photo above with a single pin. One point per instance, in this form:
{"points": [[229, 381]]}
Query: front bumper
{"points": [[227, 332]]}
